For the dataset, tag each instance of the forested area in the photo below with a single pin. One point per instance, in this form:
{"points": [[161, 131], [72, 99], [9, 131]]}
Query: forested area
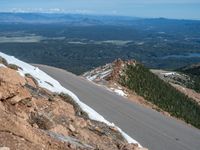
{"points": [[152, 88]]}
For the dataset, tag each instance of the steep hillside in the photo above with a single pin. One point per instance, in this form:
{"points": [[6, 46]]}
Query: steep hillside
{"points": [[185, 83], [35, 114], [135, 77], [162, 94]]}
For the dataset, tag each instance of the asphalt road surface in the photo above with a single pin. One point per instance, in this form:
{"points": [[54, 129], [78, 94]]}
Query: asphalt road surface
{"points": [[150, 128]]}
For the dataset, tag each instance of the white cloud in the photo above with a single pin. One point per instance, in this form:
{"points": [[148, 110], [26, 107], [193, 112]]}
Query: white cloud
{"points": [[52, 10]]}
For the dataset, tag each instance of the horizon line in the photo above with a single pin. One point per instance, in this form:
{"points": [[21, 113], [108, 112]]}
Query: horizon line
{"points": [[93, 14]]}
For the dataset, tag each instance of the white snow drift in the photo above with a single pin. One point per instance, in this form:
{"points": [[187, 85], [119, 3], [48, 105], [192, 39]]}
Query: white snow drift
{"points": [[54, 86], [119, 92]]}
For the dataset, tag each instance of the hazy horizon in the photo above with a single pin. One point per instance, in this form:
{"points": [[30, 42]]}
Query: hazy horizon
{"points": [[173, 9]]}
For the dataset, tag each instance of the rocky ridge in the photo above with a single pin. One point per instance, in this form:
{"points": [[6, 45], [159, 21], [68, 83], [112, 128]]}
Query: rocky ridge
{"points": [[108, 76]]}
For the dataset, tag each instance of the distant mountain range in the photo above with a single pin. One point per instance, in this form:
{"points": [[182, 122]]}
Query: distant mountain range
{"points": [[62, 18], [80, 19]]}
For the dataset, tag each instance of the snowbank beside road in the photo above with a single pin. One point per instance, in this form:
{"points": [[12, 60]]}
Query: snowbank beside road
{"points": [[54, 86], [119, 92]]}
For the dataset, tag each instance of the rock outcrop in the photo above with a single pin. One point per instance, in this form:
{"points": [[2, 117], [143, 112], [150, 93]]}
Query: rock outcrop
{"points": [[34, 118]]}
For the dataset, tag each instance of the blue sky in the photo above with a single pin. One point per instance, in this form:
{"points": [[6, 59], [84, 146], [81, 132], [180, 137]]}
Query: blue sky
{"points": [[180, 9]]}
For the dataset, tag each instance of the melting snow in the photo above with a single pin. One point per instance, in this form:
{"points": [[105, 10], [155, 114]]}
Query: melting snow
{"points": [[44, 80], [170, 73], [91, 76], [119, 92]]}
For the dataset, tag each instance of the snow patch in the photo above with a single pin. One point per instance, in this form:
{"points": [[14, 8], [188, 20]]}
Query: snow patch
{"points": [[55, 86], [119, 92], [97, 74], [166, 74], [91, 78]]}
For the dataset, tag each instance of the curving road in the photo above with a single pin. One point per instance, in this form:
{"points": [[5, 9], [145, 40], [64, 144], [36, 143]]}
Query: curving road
{"points": [[152, 129]]}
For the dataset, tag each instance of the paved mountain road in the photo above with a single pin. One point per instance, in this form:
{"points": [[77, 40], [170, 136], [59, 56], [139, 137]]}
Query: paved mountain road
{"points": [[152, 129]]}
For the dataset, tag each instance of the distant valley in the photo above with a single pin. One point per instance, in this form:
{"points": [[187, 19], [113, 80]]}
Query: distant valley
{"points": [[79, 43]]}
